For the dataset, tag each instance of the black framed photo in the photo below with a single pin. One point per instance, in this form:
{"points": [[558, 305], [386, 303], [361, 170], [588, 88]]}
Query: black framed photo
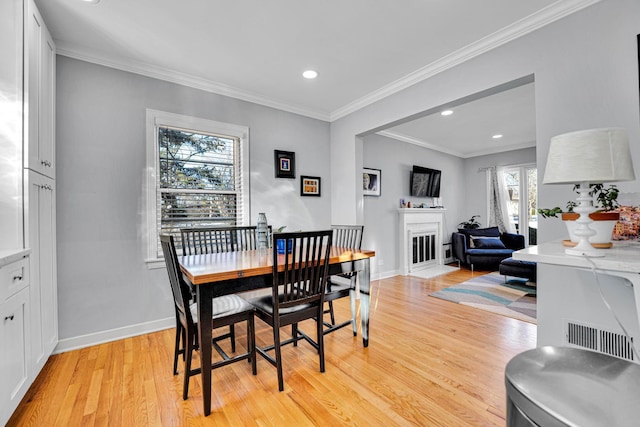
{"points": [[285, 164], [309, 185], [371, 182]]}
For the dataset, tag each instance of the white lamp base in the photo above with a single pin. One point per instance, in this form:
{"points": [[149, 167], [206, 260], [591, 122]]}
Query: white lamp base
{"points": [[583, 232]]}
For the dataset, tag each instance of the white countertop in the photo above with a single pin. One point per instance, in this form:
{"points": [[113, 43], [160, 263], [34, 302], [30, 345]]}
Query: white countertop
{"points": [[7, 256], [623, 256]]}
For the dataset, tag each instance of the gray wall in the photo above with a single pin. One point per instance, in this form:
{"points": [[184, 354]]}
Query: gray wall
{"points": [[463, 191], [586, 76], [396, 159], [103, 282]]}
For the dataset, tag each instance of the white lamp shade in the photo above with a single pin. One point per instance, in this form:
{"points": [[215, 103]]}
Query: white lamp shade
{"points": [[593, 155]]}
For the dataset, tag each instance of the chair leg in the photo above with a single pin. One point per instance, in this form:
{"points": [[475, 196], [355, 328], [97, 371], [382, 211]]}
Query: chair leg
{"points": [[187, 367], [320, 340], [177, 348], [333, 319], [251, 344], [184, 344], [294, 334], [232, 333], [278, 354]]}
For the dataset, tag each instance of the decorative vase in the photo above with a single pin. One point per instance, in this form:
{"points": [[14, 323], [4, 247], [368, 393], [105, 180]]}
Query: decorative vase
{"points": [[262, 230]]}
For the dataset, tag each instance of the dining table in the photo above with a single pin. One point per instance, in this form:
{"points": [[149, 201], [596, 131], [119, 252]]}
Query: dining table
{"points": [[223, 273]]}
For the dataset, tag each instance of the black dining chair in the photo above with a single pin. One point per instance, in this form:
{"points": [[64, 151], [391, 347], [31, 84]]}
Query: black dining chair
{"points": [[207, 240], [219, 239], [227, 310], [299, 280], [341, 285]]}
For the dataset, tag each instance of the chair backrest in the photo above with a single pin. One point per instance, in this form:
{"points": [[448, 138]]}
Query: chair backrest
{"points": [[180, 290], [300, 274], [348, 236], [220, 239]]}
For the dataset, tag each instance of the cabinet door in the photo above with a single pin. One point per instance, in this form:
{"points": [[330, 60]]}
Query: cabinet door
{"points": [[39, 87], [11, 35], [40, 236], [14, 352]]}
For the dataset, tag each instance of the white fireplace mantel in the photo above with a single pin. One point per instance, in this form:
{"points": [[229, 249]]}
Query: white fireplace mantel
{"points": [[415, 220]]}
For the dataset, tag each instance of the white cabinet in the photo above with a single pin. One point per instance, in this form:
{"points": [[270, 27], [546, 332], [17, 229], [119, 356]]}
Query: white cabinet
{"points": [[11, 124], [39, 93], [40, 229], [14, 335], [39, 183], [28, 285]]}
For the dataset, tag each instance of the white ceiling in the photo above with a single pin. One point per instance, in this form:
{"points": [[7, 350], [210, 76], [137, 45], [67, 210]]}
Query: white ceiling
{"points": [[256, 50]]}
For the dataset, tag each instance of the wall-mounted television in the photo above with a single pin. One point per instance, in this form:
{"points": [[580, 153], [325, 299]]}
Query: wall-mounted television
{"points": [[425, 182]]}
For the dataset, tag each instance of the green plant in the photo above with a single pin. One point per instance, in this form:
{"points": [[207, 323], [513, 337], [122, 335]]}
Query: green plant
{"points": [[550, 213], [606, 199], [471, 223]]}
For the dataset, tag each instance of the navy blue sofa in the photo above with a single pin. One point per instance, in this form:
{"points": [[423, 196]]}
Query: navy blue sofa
{"points": [[485, 247]]}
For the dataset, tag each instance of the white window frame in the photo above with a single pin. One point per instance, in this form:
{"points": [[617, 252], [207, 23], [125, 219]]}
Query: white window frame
{"points": [[156, 119]]}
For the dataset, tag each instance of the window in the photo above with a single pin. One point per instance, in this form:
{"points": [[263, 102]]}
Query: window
{"points": [[197, 176]]}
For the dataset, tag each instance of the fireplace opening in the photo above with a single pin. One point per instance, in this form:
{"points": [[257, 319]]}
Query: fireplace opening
{"points": [[423, 250]]}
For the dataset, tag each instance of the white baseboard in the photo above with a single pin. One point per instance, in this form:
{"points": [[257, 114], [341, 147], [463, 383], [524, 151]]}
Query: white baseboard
{"points": [[89, 340]]}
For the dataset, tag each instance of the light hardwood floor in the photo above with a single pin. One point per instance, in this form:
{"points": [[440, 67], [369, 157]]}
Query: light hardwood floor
{"points": [[429, 363]]}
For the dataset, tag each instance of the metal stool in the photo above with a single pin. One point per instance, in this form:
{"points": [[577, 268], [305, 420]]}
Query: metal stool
{"points": [[562, 386]]}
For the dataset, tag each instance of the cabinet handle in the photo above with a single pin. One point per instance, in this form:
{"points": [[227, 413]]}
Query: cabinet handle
{"points": [[45, 163], [8, 318], [17, 277]]}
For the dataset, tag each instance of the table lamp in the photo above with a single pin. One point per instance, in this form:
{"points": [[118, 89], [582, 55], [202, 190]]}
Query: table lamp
{"points": [[588, 157]]}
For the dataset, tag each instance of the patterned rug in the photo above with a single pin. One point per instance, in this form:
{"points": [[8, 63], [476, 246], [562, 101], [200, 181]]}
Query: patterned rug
{"points": [[515, 299]]}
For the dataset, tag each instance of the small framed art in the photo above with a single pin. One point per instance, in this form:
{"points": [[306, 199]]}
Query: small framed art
{"points": [[285, 164], [371, 182], [310, 186]]}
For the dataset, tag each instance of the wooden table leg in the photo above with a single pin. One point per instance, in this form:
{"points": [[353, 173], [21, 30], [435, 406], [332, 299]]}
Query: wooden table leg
{"points": [[205, 326]]}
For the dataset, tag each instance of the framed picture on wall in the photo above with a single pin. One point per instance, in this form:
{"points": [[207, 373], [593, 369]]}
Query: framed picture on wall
{"points": [[371, 182], [285, 164], [309, 185]]}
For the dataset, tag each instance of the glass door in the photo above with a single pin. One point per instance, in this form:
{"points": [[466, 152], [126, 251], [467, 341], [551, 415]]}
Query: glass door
{"points": [[521, 183]]}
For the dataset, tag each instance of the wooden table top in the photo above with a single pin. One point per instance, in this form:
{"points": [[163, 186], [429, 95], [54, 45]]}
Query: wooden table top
{"points": [[207, 268]]}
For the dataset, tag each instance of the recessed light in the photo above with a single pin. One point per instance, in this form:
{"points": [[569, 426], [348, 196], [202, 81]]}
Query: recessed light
{"points": [[446, 113], [498, 136], [310, 74], [91, 1]]}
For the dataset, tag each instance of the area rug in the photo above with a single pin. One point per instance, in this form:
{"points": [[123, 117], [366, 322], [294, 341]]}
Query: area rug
{"points": [[515, 299]]}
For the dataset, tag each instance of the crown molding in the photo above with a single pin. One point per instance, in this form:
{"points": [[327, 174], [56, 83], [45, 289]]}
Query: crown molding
{"points": [[457, 153], [524, 26], [172, 76], [543, 17], [419, 142]]}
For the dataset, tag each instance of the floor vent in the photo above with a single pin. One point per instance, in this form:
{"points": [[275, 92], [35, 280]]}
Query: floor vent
{"points": [[606, 342], [582, 336], [616, 345]]}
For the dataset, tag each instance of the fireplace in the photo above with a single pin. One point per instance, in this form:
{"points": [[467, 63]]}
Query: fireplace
{"points": [[421, 236]]}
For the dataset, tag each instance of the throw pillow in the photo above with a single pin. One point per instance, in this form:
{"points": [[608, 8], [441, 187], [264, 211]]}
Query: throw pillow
{"points": [[487, 243]]}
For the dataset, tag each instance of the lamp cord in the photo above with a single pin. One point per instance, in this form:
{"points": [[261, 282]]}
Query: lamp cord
{"points": [[594, 270]]}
